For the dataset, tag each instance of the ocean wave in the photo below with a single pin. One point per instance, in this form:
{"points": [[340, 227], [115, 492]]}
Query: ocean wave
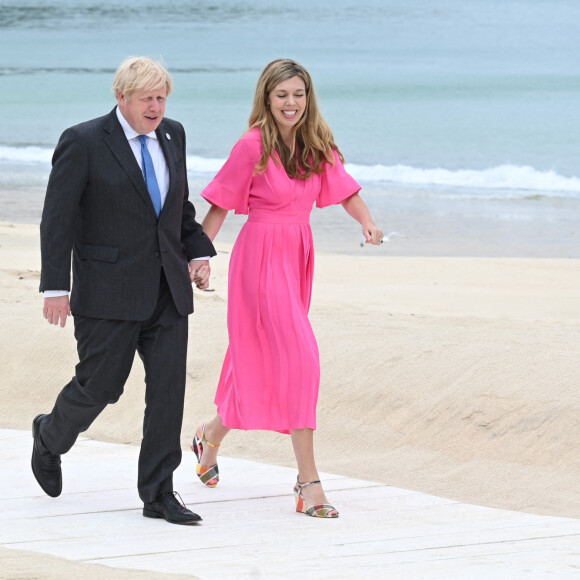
{"points": [[34, 70], [502, 177], [205, 165], [25, 154], [520, 180]]}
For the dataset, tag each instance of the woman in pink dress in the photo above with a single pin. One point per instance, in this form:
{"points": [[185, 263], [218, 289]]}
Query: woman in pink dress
{"points": [[285, 163]]}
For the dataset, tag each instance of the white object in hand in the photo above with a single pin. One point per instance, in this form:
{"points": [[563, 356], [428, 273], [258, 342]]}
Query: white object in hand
{"points": [[386, 238]]}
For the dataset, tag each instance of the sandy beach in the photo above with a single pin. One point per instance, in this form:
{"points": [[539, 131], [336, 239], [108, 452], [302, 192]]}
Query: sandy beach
{"points": [[456, 377]]}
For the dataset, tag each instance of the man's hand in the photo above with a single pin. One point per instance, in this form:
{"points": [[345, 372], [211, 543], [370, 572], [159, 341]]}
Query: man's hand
{"points": [[56, 310], [199, 272]]}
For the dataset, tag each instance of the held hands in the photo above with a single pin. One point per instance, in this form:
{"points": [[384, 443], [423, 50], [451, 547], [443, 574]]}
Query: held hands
{"points": [[373, 234], [56, 310], [199, 271]]}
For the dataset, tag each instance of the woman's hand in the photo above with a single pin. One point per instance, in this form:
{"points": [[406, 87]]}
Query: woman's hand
{"points": [[373, 234], [199, 271], [357, 208]]}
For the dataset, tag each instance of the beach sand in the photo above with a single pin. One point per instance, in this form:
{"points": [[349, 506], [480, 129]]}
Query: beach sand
{"points": [[456, 377]]}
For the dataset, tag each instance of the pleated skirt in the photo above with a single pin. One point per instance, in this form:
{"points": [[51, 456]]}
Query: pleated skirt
{"points": [[271, 372]]}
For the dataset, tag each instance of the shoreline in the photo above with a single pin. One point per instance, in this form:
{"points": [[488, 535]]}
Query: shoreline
{"points": [[414, 226], [456, 376]]}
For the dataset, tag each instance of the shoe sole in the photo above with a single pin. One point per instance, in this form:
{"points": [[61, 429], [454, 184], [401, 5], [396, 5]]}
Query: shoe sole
{"points": [[34, 433]]}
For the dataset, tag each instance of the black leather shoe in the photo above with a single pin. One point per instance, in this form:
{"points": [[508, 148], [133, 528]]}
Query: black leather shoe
{"points": [[45, 465], [167, 507]]}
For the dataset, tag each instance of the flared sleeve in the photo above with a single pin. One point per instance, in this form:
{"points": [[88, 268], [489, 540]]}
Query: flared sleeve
{"points": [[336, 184], [230, 188]]}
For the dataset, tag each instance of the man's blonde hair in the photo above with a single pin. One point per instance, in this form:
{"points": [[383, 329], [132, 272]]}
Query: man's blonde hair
{"points": [[140, 73]]}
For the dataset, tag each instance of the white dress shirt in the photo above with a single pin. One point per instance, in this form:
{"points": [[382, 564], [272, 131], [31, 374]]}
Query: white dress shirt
{"points": [[159, 164]]}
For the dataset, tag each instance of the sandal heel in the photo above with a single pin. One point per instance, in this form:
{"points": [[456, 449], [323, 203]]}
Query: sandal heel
{"points": [[322, 510], [209, 476]]}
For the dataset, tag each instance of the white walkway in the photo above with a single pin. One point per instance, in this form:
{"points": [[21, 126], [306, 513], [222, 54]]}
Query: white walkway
{"points": [[250, 529]]}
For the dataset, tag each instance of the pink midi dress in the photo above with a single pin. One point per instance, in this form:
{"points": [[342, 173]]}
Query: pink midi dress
{"points": [[271, 372]]}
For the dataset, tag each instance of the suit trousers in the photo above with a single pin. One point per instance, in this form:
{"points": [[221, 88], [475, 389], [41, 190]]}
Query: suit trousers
{"points": [[106, 350]]}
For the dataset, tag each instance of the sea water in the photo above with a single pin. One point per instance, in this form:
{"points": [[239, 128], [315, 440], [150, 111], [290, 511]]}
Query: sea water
{"points": [[458, 117]]}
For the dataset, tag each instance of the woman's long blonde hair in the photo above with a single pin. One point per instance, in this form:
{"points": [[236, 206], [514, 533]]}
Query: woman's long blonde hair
{"points": [[313, 142]]}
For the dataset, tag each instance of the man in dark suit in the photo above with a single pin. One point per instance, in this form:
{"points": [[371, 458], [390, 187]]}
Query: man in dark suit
{"points": [[117, 201]]}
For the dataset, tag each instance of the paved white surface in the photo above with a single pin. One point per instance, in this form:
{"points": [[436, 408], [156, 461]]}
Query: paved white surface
{"points": [[250, 528]]}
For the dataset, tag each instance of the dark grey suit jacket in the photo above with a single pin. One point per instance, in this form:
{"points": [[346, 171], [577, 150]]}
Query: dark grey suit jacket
{"points": [[97, 207]]}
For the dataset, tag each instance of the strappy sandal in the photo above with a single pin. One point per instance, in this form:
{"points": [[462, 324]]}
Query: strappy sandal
{"points": [[209, 476], [322, 510]]}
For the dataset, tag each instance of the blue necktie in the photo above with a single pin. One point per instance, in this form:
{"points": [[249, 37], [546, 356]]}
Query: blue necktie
{"points": [[149, 174]]}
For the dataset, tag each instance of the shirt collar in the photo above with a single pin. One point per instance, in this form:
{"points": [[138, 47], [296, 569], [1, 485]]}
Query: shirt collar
{"points": [[130, 133]]}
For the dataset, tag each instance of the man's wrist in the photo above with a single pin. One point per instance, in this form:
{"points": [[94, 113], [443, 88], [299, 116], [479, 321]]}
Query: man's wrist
{"points": [[55, 293]]}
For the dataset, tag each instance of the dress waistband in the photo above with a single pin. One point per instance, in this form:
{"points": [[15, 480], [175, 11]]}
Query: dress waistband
{"points": [[279, 216]]}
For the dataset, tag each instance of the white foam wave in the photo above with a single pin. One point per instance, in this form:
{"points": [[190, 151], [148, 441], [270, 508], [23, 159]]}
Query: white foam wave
{"points": [[31, 154], [34, 154], [500, 178], [198, 164], [503, 177]]}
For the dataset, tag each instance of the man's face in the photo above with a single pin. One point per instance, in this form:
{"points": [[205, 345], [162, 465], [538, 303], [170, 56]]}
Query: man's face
{"points": [[144, 109]]}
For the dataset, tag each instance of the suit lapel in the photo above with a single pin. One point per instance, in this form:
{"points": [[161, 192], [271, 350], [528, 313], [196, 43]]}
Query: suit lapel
{"points": [[117, 142], [167, 141]]}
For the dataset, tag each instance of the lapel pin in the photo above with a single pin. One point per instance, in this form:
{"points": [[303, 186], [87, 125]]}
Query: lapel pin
{"points": [[168, 136]]}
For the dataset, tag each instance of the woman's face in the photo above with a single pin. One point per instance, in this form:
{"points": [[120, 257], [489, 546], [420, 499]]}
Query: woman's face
{"points": [[287, 102]]}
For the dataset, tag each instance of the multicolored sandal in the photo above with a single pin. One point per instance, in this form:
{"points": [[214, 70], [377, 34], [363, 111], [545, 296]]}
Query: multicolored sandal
{"points": [[209, 476], [321, 510]]}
